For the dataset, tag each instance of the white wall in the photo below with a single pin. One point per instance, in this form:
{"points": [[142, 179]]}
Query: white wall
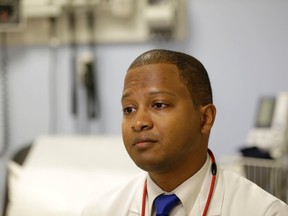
{"points": [[243, 44]]}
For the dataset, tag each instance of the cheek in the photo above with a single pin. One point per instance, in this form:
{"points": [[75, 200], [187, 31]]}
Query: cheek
{"points": [[181, 128], [124, 126], [125, 132], [125, 138], [170, 130]]}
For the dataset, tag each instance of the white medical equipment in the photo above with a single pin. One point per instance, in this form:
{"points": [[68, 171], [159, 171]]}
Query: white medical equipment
{"points": [[271, 130], [267, 165]]}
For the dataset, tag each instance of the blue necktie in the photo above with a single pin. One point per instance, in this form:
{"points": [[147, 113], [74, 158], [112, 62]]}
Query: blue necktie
{"points": [[165, 203]]}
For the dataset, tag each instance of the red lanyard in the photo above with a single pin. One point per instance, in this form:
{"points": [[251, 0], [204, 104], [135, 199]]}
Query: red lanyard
{"points": [[212, 185]]}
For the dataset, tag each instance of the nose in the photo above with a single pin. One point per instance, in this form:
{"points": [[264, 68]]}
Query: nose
{"points": [[142, 121]]}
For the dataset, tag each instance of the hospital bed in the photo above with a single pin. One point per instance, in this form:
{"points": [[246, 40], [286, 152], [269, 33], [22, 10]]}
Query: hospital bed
{"points": [[60, 175]]}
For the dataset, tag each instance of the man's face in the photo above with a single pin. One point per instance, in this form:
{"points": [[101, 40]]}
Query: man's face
{"points": [[161, 128]]}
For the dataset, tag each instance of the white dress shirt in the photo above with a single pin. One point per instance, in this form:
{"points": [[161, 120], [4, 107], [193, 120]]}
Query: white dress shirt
{"points": [[187, 192]]}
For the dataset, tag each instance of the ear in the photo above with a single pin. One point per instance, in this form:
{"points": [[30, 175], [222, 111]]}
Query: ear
{"points": [[208, 113]]}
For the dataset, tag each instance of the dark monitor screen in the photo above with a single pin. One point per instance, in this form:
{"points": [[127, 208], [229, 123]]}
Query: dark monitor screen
{"points": [[265, 112]]}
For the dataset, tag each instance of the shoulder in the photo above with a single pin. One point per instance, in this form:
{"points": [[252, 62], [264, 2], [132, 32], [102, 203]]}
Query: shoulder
{"points": [[237, 184], [244, 195], [118, 199]]}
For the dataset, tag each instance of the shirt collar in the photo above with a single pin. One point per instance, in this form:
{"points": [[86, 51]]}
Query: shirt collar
{"points": [[187, 192]]}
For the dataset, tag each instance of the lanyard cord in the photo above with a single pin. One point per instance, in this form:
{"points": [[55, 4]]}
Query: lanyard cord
{"points": [[214, 172], [144, 199], [212, 186]]}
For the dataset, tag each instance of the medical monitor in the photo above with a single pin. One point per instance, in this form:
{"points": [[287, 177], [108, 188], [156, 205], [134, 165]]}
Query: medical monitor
{"points": [[265, 112]]}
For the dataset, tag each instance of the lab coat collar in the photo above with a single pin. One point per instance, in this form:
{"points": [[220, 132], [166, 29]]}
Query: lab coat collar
{"points": [[216, 204], [215, 207]]}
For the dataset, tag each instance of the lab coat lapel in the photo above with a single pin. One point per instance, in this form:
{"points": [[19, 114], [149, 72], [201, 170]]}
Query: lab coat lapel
{"points": [[136, 200], [136, 203], [215, 207]]}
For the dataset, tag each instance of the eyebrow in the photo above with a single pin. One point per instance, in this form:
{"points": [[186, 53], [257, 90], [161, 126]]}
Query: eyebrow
{"points": [[152, 93], [126, 95]]}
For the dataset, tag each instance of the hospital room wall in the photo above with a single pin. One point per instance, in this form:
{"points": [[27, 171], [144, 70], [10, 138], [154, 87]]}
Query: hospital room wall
{"points": [[243, 45]]}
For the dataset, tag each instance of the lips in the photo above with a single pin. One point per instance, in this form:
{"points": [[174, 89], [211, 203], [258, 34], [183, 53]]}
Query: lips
{"points": [[143, 141]]}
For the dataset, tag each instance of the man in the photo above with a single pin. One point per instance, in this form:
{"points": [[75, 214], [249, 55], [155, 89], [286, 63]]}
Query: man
{"points": [[168, 114]]}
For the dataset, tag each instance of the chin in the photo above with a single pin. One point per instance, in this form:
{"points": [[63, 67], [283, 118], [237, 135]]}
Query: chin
{"points": [[150, 166]]}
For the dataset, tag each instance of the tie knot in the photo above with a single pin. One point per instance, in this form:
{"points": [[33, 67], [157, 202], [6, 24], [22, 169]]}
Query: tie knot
{"points": [[165, 203]]}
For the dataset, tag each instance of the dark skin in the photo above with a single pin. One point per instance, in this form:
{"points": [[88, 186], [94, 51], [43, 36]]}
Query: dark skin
{"points": [[163, 132]]}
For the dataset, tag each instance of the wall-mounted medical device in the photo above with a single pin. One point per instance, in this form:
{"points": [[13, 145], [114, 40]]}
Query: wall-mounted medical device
{"points": [[161, 16], [271, 126], [116, 21], [10, 15]]}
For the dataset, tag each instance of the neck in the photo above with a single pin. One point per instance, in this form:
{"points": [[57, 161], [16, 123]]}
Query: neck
{"points": [[171, 179]]}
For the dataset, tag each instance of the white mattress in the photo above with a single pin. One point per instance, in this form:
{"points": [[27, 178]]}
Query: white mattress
{"points": [[62, 174]]}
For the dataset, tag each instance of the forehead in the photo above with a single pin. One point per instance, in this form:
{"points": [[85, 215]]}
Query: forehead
{"points": [[152, 74], [153, 77]]}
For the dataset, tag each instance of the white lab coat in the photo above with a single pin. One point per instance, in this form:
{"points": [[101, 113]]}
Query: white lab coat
{"points": [[233, 196]]}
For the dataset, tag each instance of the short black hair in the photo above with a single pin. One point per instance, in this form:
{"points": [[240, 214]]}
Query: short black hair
{"points": [[191, 71]]}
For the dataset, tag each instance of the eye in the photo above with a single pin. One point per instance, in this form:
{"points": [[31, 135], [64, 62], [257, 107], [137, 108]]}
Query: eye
{"points": [[128, 110], [160, 106]]}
